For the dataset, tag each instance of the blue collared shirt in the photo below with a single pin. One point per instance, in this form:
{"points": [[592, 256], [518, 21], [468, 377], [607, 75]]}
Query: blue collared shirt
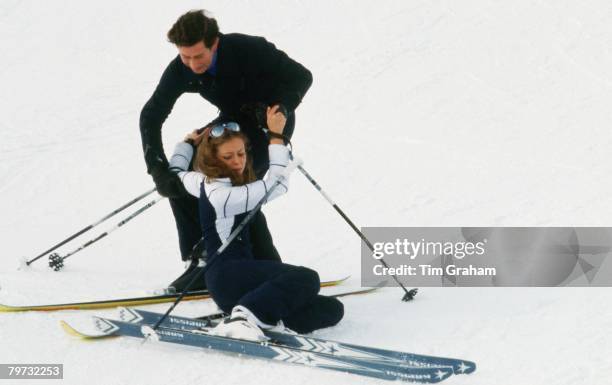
{"points": [[213, 65]]}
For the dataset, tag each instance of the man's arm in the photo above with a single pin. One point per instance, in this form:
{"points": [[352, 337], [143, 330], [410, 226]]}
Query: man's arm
{"points": [[154, 114], [152, 117], [292, 79]]}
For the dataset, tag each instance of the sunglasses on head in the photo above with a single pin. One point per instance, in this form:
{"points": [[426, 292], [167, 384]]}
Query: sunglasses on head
{"points": [[218, 130]]}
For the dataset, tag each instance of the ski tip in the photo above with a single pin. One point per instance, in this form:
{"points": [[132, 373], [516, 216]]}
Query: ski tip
{"points": [[344, 278], [464, 367], [367, 290], [75, 333], [6, 308], [335, 282], [69, 329], [355, 292]]}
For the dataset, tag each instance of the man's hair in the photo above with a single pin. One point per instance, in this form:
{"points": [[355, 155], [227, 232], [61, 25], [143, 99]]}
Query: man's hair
{"points": [[192, 28]]}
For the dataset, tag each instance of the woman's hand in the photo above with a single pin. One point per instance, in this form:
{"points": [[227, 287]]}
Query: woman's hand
{"points": [[276, 119], [194, 137]]}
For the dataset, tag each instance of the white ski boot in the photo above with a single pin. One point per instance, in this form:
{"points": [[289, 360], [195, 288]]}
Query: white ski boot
{"points": [[241, 324], [280, 328]]}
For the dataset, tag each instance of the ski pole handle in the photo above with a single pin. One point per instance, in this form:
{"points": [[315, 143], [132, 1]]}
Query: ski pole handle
{"points": [[293, 164]]}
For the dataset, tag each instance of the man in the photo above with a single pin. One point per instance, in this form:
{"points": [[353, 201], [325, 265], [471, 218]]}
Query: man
{"points": [[240, 75]]}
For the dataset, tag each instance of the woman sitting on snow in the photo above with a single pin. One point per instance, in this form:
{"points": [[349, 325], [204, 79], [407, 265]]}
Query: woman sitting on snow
{"points": [[260, 294]]}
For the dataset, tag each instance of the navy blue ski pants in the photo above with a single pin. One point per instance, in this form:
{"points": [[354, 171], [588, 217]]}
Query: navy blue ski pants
{"points": [[273, 291]]}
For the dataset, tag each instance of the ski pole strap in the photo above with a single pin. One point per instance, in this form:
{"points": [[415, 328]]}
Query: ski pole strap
{"points": [[295, 162], [271, 134]]}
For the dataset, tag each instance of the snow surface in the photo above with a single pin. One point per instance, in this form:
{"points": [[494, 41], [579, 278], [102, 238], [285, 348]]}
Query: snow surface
{"points": [[422, 113]]}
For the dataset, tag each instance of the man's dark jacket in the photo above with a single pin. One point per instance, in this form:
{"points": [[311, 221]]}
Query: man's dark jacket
{"points": [[249, 69]]}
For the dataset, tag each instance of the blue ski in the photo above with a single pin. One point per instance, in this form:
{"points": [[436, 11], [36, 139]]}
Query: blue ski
{"points": [[310, 344], [269, 350]]}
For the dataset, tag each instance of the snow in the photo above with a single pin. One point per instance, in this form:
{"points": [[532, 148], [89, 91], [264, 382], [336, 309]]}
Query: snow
{"points": [[423, 113]]}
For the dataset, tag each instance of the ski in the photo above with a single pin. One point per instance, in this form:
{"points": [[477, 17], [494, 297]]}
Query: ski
{"points": [[388, 370], [136, 301], [208, 319], [306, 343], [103, 304]]}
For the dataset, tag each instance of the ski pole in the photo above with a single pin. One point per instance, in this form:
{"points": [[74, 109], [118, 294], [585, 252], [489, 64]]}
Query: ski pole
{"points": [[149, 331], [56, 262], [87, 228], [409, 294]]}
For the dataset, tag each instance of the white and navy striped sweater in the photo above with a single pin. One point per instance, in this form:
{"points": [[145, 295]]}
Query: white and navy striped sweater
{"points": [[222, 206]]}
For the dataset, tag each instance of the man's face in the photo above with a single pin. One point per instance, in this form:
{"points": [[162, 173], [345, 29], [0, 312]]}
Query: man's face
{"points": [[198, 57]]}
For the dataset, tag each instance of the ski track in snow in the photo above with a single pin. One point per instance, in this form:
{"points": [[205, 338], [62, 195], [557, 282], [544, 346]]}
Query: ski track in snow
{"points": [[422, 113]]}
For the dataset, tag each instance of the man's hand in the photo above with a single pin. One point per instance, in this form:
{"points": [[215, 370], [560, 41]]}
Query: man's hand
{"points": [[276, 119], [257, 113], [195, 138], [168, 183], [282, 109]]}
